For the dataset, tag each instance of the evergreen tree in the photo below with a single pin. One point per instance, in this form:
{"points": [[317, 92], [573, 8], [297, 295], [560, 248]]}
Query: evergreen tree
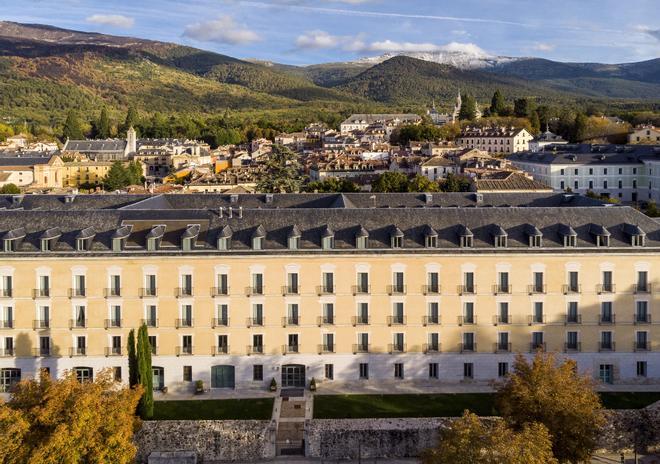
{"points": [[580, 127], [145, 375], [102, 127], [535, 122], [132, 360], [468, 108], [390, 181], [134, 173], [72, 127], [132, 119], [117, 177], [284, 172], [497, 103]]}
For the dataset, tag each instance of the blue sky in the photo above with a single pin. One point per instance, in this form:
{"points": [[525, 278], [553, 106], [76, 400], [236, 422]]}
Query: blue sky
{"points": [[306, 31]]}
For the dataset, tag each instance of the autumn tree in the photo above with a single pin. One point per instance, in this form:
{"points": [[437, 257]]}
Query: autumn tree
{"points": [[469, 440], [145, 374], [66, 421], [551, 392], [283, 173]]}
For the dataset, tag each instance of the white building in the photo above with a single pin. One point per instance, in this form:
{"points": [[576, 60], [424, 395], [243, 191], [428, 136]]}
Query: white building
{"points": [[545, 139], [644, 134], [360, 122], [495, 139]]}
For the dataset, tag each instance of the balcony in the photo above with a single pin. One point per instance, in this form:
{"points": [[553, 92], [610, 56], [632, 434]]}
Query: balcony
{"points": [[7, 324], [290, 290], [290, 349], [572, 347], [396, 289], [112, 292], [467, 320], [537, 289], [572, 319], [219, 291], [536, 319], [467, 289], [361, 289], [184, 350], [255, 322], [255, 291], [533, 347], [40, 293], [502, 289], [639, 345], [431, 320], [7, 352], [183, 292], [431, 289], [219, 350], [290, 321], [326, 320], [396, 348], [361, 348], [77, 292], [606, 320], [605, 288], [500, 347], [642, 319], [360, 320], [220, 322], [6, 292], [501, 319], [255, 349], [396, 320], [77, 323], [325, 290], [41, 324], [78, 351], [431, 348], [113, 323], [183, 323], [41, 352], [149, 322], [643, 288], [467, 347], [326, 348], [606, 346], [113, 351], [148, 292], [568, 289]]}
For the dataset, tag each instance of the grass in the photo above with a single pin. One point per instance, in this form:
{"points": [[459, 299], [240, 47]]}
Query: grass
{"points": [[233, 409], [442, 405]]}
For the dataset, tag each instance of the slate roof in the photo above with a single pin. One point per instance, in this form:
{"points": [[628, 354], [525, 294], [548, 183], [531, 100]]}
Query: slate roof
{"points": [[588, 154], [23, 161], [314, 216], [110, 145]]}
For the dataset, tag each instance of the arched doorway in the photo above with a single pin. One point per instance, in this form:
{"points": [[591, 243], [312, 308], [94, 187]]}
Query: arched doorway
{"points": [[293, 376], [158, 377], [222, 376]]}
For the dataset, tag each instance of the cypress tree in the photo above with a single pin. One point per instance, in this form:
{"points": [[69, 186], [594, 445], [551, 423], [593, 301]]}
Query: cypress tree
{"points": [[72, 127], [132, 119], [103, 125], [497, 103], [145, 375], [132, 360]]}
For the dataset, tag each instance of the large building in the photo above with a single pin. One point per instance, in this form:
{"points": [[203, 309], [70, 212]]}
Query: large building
{"points": [[628, 173], [495, 139], [388, 122], [371, 289]]}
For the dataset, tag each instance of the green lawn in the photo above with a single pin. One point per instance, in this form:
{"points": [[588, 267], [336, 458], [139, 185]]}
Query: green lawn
{"points": [[255, 408], [441, 405]]}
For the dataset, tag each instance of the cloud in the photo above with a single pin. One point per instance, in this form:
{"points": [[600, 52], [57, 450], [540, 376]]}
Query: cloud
{"points": [[222, 30], [543, 47], [655, 33], [319, 39], [121, 21]]}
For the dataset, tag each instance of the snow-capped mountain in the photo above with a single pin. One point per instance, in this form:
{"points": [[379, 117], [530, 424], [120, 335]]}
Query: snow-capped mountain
{"points": [[458, 59]]}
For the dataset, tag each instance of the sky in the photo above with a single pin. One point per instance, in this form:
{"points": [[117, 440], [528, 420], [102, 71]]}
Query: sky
{"points": [[303, 32]]}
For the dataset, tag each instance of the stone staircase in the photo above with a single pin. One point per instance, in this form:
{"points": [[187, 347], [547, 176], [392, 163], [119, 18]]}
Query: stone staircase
{"points": [[291, 425]]}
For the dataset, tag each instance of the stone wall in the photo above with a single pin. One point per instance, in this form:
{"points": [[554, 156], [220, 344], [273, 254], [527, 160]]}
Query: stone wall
{"points": [[240, 440], [624, 427]]}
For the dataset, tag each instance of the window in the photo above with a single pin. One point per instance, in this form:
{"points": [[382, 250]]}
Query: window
{"points": [[44, 346], [607, 282], [328, 343], [223, 243], [44, 286], [431, 241], [187, 373], [536, 241], [223, 344], [364, 371], [641, 341], [468, 282], [396, 242], [115, 285], [503, 313], [257, 284], [606, 342], [398, 313], [186, 284], [642, 281], [8, 378], [537, 316], [502, 369], [398, 285], [561, 185], [538, 286], [292, 314], [257, 314], [150, 285], [328, 243], [572, 313], [398, 342], [362, 282], [328, 313], [572, 341], [433, 370], [500, 241], [116, 373], [503, 282], [433, 343], [432, 282], [294, 243], [503, 342], [153, 344], [537, 341], [186, 345], [79, 285], [292, 283], [642, 369], [151, 316], [328, 282], [398, 370], [606, 313], [573, 282], [433, 313], [258, 243], [468, 370], [468, 313], [329, 371], [468, 342], [116, 345], [642, 312], [363, 313], [466, 241], [257, 372], [6, 286], [292, 343], [84, 374]]}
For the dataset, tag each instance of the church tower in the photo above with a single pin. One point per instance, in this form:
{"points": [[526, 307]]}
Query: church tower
{"points": [[131, 141]]}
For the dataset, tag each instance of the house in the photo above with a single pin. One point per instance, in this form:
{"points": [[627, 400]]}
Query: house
{"points": [[495, 139], [645, 134], [544, 139]]}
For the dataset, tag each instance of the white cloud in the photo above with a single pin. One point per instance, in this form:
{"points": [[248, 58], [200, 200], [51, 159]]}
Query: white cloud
{"points": [[543, 47], [222, 30], [655, 33], [319, 39], [121, 21]]}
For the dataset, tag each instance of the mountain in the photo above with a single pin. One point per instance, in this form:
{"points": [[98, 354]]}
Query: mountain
{"points": [[475, 59]]}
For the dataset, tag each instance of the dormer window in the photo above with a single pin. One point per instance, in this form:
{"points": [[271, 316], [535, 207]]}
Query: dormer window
{"points": [[602, 240], [154, 237], [189, 237], [119, 238], [49, 239], [293, 238], [13, 239], [152, 244], [570, 241], [46, 244], [601, 235], [117, 244], [258, 237], [224, 239], [569, 236], [396, 238], [362, 238], [535, 236], [636, 234], [637, 240], [328, 239], [431, 241], [499, 237], [85, 239]]}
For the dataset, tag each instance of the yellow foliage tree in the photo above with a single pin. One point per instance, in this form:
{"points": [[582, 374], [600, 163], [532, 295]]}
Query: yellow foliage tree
{"points": [[66, 421], [470, 441]]}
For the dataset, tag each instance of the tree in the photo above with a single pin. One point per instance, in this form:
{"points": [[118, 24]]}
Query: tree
{"points": [[72, 127], [134, 173], [535, 122], [5, 131], [522, 107], [117, 177], [468, 108], [497, 104], [652, 209], [421, 183], [102, 126], [390, 181], [132, 360], [579, 132], [283, 172], [9, 188], [554, 394], [145, 374], [66, 421], [332, 184], [455, 183], [469, 440], [132, 119]]}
